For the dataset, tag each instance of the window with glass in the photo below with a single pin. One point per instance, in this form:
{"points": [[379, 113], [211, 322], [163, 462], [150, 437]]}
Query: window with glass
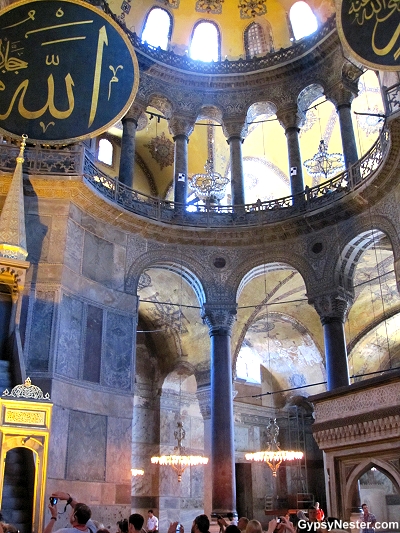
{"points": [[303, 20], [105, 152], [255, 42], [205, 43], [157, 28]]}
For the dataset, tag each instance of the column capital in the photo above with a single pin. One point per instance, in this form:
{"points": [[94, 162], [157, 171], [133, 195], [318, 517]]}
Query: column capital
{"points": [[134, 112], [290, 117], [219, 318], [342, 93], [234, 130], [204, 397], [180, 126], [333, 306]]}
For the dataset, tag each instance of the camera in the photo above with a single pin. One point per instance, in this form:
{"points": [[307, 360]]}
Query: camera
{"points": [[278, 520], [53, 500], [178, 527]]}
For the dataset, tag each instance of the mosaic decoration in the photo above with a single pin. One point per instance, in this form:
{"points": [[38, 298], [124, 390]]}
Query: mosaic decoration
{"points": [[27, 390], [209, 6], [174, 4], [252, 8], [162, 150], [311, 119], [144, 281]]}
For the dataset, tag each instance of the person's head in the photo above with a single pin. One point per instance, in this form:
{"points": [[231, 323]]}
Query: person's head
{"points": [[123, 525], [103, 530], [242, 523], [232, 529], [230, 516], [254, 526], [201, 524], [81, 513], [150, 513], [364, 507], [316, 505], [312, 514], [136, 522]]}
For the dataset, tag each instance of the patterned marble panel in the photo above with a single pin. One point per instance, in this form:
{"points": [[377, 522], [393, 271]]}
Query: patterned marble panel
{"points": [[40, 333], [117, 358], [58, 443], [74, 246], [70, 336], [196, 433], [37, 237], [118, 463], [145, 426], [98, 258], [87, 436], [241, 439]]}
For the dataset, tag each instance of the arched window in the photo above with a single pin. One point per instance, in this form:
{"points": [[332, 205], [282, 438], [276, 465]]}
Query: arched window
{"points": [[205, 45], [157, 28], [255, 42], [303, 20], [105, 152]]}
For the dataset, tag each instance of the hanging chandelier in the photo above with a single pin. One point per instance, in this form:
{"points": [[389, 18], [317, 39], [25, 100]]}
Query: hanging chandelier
{"points": [[323, 165], [137, 472], [179, 460], [274, 456], [209, 187]]}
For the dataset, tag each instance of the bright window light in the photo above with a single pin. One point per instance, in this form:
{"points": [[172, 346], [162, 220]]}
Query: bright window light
{"points": [[303, 20], [204, 46], [248, 365], [105, 154], [157, 28]]}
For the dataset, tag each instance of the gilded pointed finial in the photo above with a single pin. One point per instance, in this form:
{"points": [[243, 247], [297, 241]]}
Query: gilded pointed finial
{"points": [[12, 217]]}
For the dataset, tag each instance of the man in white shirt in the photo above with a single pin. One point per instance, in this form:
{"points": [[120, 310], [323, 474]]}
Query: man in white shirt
{"points": [[152, 522]]}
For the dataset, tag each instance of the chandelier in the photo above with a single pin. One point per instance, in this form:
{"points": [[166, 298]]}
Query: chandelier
{"points": [[137, 472], [323, 165], [179, 460], [209, 187], [252, 8], [274, 456]]}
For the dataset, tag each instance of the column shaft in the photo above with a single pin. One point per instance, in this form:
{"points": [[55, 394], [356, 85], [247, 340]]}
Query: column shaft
{"points": [[335, 353], [237, 177], [181, 169], [347, 133], [295, 165], [127, 160]]}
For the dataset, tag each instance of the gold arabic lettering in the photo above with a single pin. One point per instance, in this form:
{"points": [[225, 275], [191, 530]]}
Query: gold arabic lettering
{"points": [[114, 77], [2, 86], [55, 60], [49, 105], [31, 16], [59, 13], [9, 64], [44, 127], [103, 40], [58, 26]]}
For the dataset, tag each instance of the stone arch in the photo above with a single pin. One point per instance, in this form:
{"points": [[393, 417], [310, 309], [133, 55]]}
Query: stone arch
{"points": [[383, 465], [192, 273]]}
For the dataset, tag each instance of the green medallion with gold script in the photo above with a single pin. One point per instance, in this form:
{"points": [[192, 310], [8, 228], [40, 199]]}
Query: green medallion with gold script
{"points": [[67, 70]]}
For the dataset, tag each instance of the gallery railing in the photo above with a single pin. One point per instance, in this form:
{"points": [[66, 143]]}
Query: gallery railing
{"points": [[75, 161]]}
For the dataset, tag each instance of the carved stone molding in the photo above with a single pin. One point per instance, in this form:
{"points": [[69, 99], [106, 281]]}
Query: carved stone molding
{"points": [[290, 117], [332, 306], [180, 126], [204, 397], [219, 318]]}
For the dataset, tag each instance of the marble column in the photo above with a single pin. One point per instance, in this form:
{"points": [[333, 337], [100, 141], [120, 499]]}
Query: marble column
{"points": [[219, 319], [342, 97], [332, 309], [180, 129], [290, 119], [127, 160], [235, 136]]}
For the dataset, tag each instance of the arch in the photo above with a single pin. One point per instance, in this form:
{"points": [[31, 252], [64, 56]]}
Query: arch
{"points": [[256, 42], [157, 28], [302, 19], [181, 267], [205, 31], [105, 151]]}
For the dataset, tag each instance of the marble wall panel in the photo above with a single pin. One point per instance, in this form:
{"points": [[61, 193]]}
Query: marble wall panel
{"points": [[118, 351], [38, 237], [98, 256], [241, 435], [40, 332], [93, 344], [119, 268], [74, 247], [87, 437], [118, 467], [58, 442], [196, 433], [70, 336], [168, 421], [145, 426], [58, 237]]}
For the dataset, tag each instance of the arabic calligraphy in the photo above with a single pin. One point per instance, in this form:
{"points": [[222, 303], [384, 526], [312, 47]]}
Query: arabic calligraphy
{"points": [[49, 94], [380, 20]]}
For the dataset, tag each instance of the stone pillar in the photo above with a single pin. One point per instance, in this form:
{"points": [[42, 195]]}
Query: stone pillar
{"points": [[290, 119], [332, 309], [204, 397], [342, 98], [127, 160], [235, 136], [180, 129], [219, 319]]}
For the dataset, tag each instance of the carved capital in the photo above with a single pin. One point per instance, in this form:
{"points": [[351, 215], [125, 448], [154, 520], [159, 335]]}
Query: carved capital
{"points": [[134, 112], [235, 129], [219, 318], [333, 306], [340, 94], [180, 126], [290, 117]]}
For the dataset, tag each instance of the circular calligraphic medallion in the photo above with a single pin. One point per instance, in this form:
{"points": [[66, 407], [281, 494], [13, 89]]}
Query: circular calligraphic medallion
{"points": [[370, 32], [67, 70]]}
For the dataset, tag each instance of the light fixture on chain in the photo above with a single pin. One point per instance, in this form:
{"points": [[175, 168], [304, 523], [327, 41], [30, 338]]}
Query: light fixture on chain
{"points": [[179, 460], [135, 472], [323, 165], [274, 456]]}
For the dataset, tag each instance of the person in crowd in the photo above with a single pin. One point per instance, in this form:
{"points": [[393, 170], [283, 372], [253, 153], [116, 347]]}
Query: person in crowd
{"points": [[242, 523], [232, 529], [136, 522], [201, 524], [320, 512], [122, 526], [80, 517], [152, 522], [254, 526], [368, 518], [281, 525]]}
